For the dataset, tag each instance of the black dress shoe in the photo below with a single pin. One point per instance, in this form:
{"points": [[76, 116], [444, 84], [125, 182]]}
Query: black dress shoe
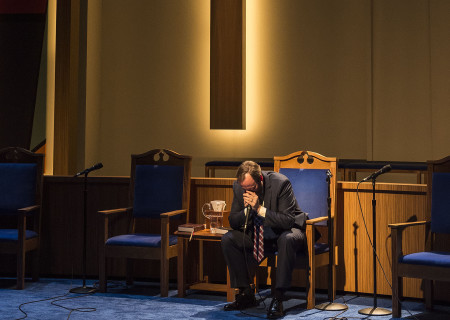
{"points": [[243, 301], [275, 309]]}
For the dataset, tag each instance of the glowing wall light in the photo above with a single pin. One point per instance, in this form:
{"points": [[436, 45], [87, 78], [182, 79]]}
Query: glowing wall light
{"points": [[227, 82]]}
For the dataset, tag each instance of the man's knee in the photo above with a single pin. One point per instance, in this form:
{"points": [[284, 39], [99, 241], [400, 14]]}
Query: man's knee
{"points": [[291, 240], [226, 241]]}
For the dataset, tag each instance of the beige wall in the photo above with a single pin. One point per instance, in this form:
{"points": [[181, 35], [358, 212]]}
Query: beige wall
{"points": [[337, 77]]}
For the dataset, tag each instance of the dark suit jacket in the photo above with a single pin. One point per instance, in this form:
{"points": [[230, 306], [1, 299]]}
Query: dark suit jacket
{"points": [[283, 212]]}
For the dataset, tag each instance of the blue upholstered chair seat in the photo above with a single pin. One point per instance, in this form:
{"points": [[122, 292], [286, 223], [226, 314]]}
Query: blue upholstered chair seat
{"points": [[139, 240], [13, 234], [321, 248], [429, 258]]}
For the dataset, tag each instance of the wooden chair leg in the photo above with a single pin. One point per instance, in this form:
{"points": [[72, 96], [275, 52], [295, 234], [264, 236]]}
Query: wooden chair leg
{"points": [[130, 272], [397, 286], [428, 293], [397, 281], [311, 271], [164, 282], [256, 281], [35, 260], [102, 271], [21, 227], [20, 270], [310, 290]]}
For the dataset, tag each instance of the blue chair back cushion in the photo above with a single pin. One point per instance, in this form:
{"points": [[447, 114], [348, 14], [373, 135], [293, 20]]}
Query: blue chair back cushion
{"points": [[428, 258], [139, 240], [311, 190], [440, 203], [12, 235], [157, 189], [17, 186]]}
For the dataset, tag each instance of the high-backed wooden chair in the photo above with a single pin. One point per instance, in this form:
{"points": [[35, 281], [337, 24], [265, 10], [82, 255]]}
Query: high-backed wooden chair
{"points": [[21, 173], [159, 192], [312, 176], [433, 263]]}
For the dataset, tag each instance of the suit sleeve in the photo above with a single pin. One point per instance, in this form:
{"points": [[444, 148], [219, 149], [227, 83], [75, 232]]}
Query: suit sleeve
{"points": [[288, 209], [237, 214]]}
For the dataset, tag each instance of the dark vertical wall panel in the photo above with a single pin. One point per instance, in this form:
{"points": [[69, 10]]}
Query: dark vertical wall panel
{"points": [[21, 37], [70, 86], [227, 64]]}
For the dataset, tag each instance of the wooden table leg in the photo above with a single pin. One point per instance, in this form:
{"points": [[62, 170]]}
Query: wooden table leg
{"points": [[200, 261], [181, 270]]}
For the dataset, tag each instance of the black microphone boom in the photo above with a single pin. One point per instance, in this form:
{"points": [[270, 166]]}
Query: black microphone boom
{"points": [[374, 175], [86, 171]]}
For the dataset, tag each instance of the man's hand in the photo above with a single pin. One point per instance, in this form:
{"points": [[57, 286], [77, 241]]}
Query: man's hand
{"points": [[250, 198]]}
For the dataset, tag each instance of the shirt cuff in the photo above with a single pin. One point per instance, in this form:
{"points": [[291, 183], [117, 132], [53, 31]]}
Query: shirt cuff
{"points": [[262, 212]]}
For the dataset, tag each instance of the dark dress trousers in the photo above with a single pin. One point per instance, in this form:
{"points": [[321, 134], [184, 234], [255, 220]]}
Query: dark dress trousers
{"points": [[284, 232]]}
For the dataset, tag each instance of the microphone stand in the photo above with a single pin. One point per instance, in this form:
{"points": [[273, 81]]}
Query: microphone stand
{"points": [[375, 311], [84, 289], [330, 306]]}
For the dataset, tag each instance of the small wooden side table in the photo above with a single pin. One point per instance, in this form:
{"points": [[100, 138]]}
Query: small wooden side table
{"points": [[203, 284]]}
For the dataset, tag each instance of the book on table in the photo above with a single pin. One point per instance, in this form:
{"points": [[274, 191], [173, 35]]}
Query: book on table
{"points": [[190, 227]]}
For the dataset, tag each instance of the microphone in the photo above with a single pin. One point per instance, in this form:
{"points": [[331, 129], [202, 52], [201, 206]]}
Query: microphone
{"points": [[374, 175], [86, 171], [247, 213]]}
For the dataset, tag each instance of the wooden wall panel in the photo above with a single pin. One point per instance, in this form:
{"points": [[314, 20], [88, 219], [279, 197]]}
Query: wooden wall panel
{"points": [[227, 64], [394, 203], [70, 87], [22, 30], [206, 189], [62, 221]]}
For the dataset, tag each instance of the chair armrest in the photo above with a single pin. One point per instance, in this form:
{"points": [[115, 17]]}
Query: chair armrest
{"points": [[105, 215], [406, 224], [173, 213], [397, 240], [114, 211], [29, 209], [316, 220], [165, 227]]}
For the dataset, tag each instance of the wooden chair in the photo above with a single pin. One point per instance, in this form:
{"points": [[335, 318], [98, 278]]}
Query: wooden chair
{"points": [[308, 173], [433, 264], [21, 176], [159, 190]]}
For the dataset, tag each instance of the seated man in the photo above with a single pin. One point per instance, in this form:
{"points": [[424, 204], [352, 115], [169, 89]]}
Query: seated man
{"points": [[264, 217]]}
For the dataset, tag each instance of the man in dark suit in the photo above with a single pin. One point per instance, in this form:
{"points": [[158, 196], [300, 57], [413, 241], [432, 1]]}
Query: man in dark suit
{"points": [[266, 199]]}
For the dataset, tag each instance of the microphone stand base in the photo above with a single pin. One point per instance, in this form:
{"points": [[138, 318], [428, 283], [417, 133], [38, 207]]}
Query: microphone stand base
{"points": [[375, 311], [83, 290], [331, 306]]}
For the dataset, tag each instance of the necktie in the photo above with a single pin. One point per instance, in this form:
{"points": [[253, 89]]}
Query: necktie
{"points": [[258, 239]]}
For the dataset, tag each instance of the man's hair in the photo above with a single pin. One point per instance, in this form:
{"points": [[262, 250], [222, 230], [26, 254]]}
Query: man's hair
{"points": [[251, 168]]}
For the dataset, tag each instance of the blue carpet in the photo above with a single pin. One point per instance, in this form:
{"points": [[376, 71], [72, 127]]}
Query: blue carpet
{"points": [[141, 301]]}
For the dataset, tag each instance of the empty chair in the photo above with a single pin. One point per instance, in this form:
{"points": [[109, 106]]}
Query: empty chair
{"points": [[159, 191], [431, 264], [21, 173]]}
